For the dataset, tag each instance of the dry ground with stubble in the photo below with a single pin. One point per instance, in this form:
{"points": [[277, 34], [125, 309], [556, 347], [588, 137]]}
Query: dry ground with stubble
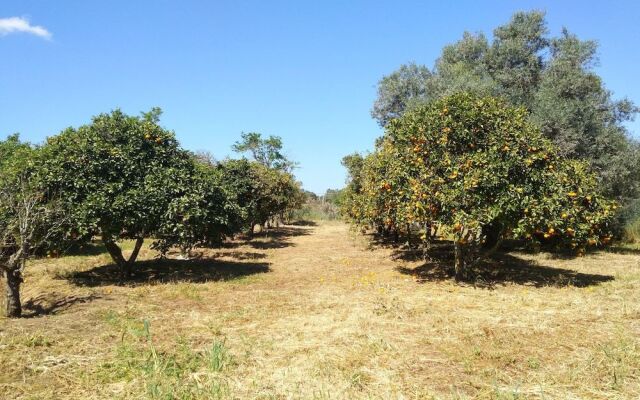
{"points": [[316, 312]]}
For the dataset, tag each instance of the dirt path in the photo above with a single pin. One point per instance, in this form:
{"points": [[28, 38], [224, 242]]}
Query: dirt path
{"points": [[313, 312]]}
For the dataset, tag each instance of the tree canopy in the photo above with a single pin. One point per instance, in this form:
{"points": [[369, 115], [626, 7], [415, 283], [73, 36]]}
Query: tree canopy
{"points": [[480, 170], [551, 77], [267, 152], [125, 177]]}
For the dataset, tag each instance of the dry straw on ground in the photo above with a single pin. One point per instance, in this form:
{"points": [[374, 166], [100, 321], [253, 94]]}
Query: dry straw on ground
{"points": [[313, 312]]}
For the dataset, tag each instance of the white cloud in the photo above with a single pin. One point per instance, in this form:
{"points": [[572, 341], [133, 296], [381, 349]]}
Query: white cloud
{"points": [[22, 25]]}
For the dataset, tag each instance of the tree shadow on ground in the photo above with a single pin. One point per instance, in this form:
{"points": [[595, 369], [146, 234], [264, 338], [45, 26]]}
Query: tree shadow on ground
{"points": [[622, 250], [274, 238], [304, 222], [51, 304], [501, 269], [242, 255], [208, 253], [169, 270], [93, 248]]}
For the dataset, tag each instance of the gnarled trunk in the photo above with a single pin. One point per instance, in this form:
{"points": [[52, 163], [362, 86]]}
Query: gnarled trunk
{"points": [[13, 307], [469, 256], [115, 252]]}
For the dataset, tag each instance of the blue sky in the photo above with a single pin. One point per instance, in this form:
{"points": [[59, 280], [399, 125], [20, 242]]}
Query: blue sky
{"points": [[303, 70]]}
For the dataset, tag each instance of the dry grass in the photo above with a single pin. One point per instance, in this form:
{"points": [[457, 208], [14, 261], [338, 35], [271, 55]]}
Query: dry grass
{"points": [[315, 313]]}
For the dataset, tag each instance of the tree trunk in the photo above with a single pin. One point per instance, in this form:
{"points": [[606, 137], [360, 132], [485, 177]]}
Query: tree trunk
{"points": [[432, 230], [123, 264], [460, 261], [488, 252], [13, 307], [492, 234], [408, 228], [136, 250]]}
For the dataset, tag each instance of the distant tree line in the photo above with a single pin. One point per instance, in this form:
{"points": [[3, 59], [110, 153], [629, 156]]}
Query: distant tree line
{"points": [[319, 207]]}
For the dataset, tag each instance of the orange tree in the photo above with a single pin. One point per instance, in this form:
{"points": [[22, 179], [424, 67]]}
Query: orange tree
{"points": [[478, 168], [261, 193], [279, 194], [201, 211], [377, 192], [350, 206], [125, 177]]}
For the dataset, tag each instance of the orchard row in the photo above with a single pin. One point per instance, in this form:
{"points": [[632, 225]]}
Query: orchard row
{"points": [[125, 177]]}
